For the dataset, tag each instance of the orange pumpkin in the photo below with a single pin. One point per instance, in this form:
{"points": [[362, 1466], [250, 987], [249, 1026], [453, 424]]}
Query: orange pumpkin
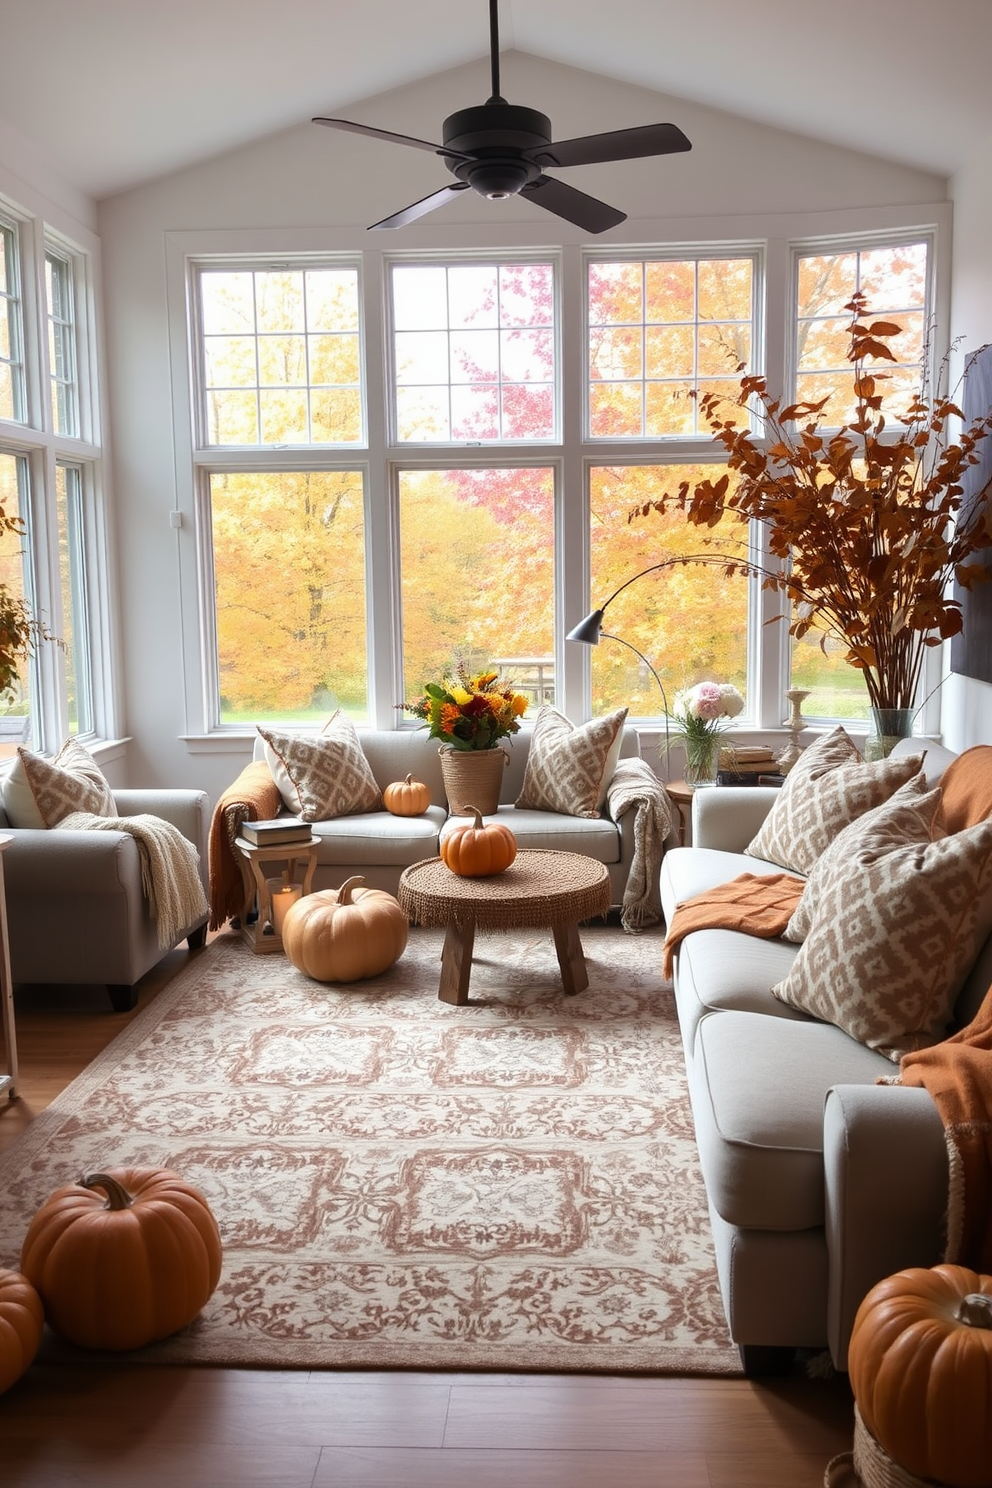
{"points": [[345, 934], [479, 849], [920, 1363], [407, 797], [22, 1319], [123, 1258]]}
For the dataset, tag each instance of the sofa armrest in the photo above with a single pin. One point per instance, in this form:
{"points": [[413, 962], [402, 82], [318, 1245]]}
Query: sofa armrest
{"points": [[726, 817], [886, 1171], [49, 863], [189, 810]]}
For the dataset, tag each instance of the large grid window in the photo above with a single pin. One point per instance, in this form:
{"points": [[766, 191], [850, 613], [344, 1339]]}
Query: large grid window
{"points": [[894, 279], [61, 344], [12, 401], [660, 330], [474, 352], [281, 351], [289, 577], [20, 704], [74, 584], [478, 574]]}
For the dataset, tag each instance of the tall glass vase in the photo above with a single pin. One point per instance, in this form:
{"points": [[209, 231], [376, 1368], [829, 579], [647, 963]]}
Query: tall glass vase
{"points": [[702, 758], [888, 726]]}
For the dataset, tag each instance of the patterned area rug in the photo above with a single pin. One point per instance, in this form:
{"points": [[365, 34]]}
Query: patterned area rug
{"points": [[401, 1183]]}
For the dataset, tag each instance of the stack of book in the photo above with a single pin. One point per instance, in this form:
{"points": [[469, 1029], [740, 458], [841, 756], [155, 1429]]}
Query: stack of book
{"points": [[746, 765], [274, 833]]}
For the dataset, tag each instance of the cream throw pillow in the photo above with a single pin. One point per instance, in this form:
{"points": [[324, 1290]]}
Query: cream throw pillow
{"points": [[907, 817], [893, 940], [39, 792], [323, 775], [829, 786], [569, 767]]}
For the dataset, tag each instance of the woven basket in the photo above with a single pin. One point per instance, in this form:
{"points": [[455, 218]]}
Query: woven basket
{"points": [[472, 777], [869, 1465]]}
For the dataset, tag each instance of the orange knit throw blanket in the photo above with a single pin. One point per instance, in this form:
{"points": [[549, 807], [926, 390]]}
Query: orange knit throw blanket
{"points": [[958, 1075], [254, 796], [758, 904]]}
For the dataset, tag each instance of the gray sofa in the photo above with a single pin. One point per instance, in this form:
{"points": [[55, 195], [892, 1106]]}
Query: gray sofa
{"points": [[379, 846], [820, 1182], [76, 912]]}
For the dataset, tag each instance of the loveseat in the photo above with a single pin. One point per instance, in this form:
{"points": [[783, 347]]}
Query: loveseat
{"points": [[820, 1181], [76, 910], [378, 845]]}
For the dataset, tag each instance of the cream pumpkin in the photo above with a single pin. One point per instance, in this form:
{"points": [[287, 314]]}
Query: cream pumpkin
{"points": [[346, 934]]}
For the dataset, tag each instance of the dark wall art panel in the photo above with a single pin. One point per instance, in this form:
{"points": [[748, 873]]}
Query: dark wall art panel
{"points": [[971, 650]]}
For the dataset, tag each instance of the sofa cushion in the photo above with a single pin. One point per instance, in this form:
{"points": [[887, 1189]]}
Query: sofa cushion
{"points": [[892, 942], [569, 767], [371, 838], [594, 837], [322, 776], [39, 792], [720, 969], [829, 786], [906, 817], [687, 871], [758, 1089]]}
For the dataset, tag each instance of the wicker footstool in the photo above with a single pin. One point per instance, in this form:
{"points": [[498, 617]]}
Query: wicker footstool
{"points": [[539, 890]]}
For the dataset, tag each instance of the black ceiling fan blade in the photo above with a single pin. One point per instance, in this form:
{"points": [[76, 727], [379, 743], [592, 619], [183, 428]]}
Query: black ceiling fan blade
{"points": [[617, 144], [420, 208], [575, 206], [387, 134]]}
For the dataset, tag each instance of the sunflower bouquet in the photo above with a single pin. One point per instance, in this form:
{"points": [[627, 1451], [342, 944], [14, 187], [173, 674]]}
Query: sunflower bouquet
{"points": [[469, 711]]}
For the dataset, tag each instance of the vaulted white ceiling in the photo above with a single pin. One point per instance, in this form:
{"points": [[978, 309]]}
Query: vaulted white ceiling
{"points": [[115, 92]]}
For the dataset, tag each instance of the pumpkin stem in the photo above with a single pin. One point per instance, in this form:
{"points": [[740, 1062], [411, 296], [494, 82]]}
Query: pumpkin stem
{"points": [[408, 780], [478, 823], [348, 887], [117, 1195], [976, 1310]]}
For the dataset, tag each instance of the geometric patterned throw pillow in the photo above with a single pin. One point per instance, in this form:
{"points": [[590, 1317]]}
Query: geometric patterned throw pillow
{"points": [[569, 767], [39, 792], [324, 775], [908, 816], [828, 786], [893, 940]]}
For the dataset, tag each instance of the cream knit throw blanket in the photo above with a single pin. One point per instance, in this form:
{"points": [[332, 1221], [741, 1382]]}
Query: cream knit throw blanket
{"points": [[635, 787], [170, 876]]}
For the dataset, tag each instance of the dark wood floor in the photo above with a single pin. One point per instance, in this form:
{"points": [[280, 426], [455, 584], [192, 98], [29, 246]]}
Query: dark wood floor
{"points": [[223, 1428]]}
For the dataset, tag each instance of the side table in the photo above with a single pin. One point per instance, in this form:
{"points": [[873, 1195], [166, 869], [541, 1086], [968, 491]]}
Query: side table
{"points": [[260, 893], [680, 795], [8, 1081]]}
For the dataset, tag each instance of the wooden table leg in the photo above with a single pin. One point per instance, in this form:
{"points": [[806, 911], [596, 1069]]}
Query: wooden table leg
{"points": [[574, 976], [456, 964]]}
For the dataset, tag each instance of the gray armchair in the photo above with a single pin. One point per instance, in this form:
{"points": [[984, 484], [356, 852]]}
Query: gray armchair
{"points": [[76, 911]]}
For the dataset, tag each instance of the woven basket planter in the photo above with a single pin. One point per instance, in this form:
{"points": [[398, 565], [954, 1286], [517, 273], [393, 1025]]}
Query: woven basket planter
{"points": [[870, 1466], [472, 777]]}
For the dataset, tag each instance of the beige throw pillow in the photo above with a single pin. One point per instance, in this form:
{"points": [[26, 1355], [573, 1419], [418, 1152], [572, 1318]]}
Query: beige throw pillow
{"points": [[893, 940], [39, 792], [908, 816], [323, 775], [829, 786], [569, 767]]}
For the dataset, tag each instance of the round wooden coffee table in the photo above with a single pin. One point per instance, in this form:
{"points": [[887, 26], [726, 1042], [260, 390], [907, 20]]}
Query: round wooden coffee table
{"points": [[539, 890]]}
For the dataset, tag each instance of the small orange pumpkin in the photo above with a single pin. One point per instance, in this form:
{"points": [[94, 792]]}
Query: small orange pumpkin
{"points": [[479, 849], [22, 1319], [407, 797], [123, 1258], [345, 934], [920, 1363]]}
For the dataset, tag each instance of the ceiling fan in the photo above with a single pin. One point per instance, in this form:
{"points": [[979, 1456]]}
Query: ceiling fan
{"points": [[500, 149]]}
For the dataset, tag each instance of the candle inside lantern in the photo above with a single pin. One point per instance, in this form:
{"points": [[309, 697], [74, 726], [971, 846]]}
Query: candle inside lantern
{"points": [[282, 898]]}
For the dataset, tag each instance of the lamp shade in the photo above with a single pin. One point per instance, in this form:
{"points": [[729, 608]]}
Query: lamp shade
{"points": [[588, 630]]}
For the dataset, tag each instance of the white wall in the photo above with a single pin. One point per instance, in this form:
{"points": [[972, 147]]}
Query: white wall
{"points": [[313, 188], [966, 712]]}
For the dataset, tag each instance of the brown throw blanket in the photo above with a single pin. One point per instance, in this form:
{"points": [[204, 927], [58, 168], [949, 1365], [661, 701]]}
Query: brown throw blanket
{"points": [[254, 796], [958, 1075], [758, 904]]}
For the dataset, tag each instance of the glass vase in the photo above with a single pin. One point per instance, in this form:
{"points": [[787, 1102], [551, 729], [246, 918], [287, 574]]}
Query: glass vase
{"points": [[888, 726], [702, 759]]}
